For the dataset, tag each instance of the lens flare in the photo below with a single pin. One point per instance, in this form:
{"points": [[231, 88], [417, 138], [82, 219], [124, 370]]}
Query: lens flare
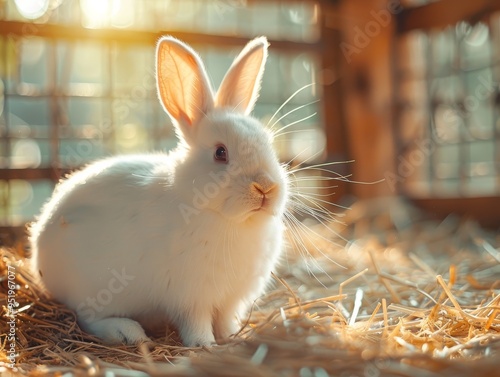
{"points": [[102, 13], [32, 9]]}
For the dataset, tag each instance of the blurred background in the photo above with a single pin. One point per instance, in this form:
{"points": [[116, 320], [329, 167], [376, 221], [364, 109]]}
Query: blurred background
{"points": [[406, 91]]}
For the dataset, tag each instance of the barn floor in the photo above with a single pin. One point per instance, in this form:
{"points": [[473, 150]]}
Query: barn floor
{"points": [[414, 297]]}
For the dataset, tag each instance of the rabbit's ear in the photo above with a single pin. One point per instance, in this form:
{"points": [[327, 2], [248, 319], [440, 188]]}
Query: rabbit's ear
{"points": [[241, 85], [183, 86]]}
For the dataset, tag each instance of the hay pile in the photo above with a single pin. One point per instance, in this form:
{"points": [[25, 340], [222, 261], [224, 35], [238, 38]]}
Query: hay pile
{"points": [[414, 297]]}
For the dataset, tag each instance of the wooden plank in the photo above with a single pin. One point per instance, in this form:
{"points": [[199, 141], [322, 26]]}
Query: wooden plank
{"points": [[139, 37], [444, 13], [32, 174], [483, 209]]}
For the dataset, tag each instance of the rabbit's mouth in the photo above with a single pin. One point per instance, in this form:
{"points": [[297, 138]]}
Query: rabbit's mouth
{"points": [[260, 198], [266, 208], [263, 197]]}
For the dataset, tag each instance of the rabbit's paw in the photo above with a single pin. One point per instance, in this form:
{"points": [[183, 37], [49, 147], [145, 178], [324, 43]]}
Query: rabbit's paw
{"points": [[224, 327], [197, 332], [116, 330]]}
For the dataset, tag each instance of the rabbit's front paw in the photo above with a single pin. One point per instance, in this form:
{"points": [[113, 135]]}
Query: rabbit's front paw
{"points": [[197, 332], [224, 328], [116, 330]]}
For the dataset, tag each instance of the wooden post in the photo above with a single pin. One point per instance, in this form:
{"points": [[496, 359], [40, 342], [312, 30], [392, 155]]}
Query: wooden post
{"points": [[333, 111], [368, 29]]}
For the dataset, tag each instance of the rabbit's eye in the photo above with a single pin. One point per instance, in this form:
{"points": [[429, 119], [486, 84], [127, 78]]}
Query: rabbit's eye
{"points": [[220, 154]]}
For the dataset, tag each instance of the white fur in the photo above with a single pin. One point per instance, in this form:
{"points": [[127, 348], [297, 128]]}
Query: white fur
{"points": [[175, 236]]}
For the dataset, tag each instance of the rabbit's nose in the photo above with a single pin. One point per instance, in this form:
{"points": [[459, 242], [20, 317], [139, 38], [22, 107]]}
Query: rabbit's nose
{"points": [[262, 192], [264, 183], [263, 189]]}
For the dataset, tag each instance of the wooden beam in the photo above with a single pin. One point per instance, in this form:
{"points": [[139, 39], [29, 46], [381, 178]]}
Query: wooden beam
{"points": [[139, 37], [443, 13], [333, 115], [482, 209], [367, 93], [31, 174]]}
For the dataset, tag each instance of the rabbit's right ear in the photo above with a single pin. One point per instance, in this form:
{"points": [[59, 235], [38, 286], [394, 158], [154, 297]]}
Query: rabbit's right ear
{"points": [[183, 86]]}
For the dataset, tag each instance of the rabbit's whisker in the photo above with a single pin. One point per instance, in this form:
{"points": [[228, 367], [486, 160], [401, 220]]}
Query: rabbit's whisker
{"points": [[304, 199], [313, 178], [305, 180], [238, 105], [288, 113], [298, 231], [318, 195], [337, 176], [316, 210], [287, 164], [323, 216], [277, 133], [288, 100], [313, 205], [305, 161], [329, 164], [289, 133]]}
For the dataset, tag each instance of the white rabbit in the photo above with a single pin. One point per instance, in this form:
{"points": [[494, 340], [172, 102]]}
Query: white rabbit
{"points": [[190, 236]]}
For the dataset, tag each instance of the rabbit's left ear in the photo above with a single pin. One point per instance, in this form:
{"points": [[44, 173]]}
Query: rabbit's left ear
{"points": [[183, 85], [241, 85]]}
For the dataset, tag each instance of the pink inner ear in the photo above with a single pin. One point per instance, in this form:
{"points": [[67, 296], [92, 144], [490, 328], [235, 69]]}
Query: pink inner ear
{"points": [[185, 119], [182, 83], [176, 69], [240, 87]]}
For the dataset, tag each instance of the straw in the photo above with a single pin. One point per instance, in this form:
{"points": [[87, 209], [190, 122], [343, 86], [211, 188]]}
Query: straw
{"points": [[415, 299]]}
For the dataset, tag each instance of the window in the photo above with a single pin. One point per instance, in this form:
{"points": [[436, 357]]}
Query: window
{"points": [[77, 81], [448, 98]]}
